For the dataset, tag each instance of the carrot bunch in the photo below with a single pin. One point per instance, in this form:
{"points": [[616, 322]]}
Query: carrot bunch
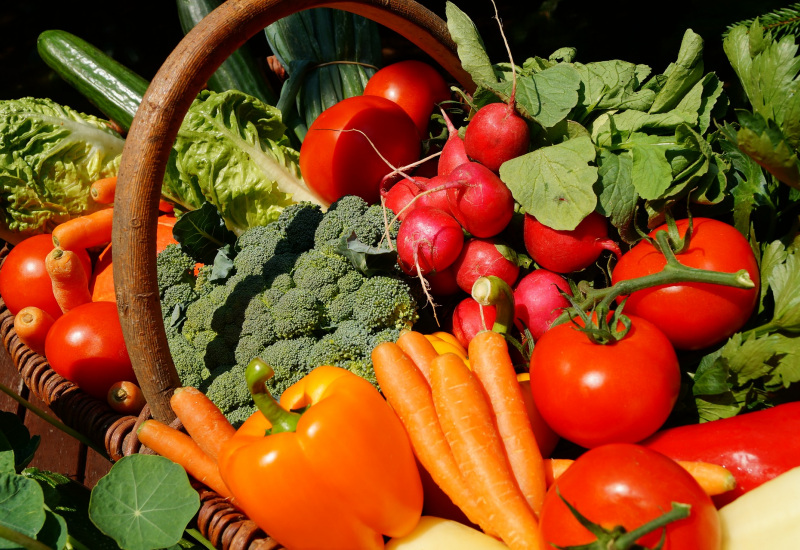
{"points": [[197, 449], [469, 429]]}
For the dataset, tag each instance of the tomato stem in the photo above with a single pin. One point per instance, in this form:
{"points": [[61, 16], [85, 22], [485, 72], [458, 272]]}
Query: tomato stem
{"points": [[672, 273]]}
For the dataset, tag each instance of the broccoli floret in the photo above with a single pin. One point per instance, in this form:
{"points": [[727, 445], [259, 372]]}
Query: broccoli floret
{"points": [[227, 388], [339, 220], [204, 285], [289, 360], [384, 302], [300, 222], [297, 313], [188, 360], [370, 229], [173, 266], [319, 273]]}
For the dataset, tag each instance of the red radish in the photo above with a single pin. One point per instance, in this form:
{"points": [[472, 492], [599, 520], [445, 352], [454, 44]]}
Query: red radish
{"points": [[467, 320], [479, 200], [399, 195], [437, 197], [484, 257], [429, 240], [443, 282], [496, 133], [537, 301], [453, 153], [568, 251]]}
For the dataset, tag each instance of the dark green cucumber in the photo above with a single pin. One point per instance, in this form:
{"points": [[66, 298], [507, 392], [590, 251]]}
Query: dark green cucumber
{"points": [[240, 71], [113, 88]]}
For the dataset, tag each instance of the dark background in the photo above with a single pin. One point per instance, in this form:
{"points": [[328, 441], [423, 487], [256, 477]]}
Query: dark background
{"points": [[142, 33]]}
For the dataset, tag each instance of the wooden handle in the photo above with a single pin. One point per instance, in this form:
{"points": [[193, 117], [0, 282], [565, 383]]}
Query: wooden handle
{"points": [[153, 131]]}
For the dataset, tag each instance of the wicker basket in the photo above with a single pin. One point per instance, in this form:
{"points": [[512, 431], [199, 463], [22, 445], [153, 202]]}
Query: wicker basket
{"points": [[180, 79]]}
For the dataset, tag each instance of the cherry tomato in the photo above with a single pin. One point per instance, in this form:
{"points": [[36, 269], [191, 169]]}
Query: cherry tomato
{"points": [[628, 485], [594, 394], [415, 86], [24, 280], [337, 160], [694, 315], [85, 346]]}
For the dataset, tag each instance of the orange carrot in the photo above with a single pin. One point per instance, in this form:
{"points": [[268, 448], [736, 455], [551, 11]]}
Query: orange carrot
{"points": [[70, 280], [419, 349], [84, 231], [125, 397], [102, 190], [181, 449], [492, 365], [202, 419], [713, 478], [409, 394], [469, 427], [32, 325]]}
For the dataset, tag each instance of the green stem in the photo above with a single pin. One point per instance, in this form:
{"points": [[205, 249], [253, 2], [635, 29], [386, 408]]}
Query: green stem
{"points": [[257, 374], [54, 421], [196, 535], [494, 291], [678, 511], [673, 272], [22, 540], [75, 544]]}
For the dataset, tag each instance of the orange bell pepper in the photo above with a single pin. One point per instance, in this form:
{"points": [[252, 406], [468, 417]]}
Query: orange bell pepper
{"points": [[330, 466]]}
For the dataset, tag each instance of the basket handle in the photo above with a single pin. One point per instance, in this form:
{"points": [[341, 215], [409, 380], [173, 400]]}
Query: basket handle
{"points": [[154, 128]]}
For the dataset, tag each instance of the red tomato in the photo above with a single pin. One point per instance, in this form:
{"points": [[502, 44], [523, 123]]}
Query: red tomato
{"points": [[85, 346], [628, 485], [694, 315], [335, 160], [415, 86], [24, 280], [593, 394]]}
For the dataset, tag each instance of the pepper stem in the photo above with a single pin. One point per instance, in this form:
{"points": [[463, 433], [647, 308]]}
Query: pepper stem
{"points": [[256, 374]]}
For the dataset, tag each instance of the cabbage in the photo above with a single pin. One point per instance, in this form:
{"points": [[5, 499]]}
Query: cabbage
{"points": [[232, 151], [49, 156]]}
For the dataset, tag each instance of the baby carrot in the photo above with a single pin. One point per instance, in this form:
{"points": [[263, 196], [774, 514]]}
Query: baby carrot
{"points": [[125, 397], [202, 419], [103, 190], [408, 393], [492, 365], [419, 349], [70, 280], [31, 325], [469, 427], [85, 231], [181, 449]]}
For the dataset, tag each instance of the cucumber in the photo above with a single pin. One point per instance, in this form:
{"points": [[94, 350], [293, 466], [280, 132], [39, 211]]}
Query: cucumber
{"points": [[240, 71], [113, 88]]}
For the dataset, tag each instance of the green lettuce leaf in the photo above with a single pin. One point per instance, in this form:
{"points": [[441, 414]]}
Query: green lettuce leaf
{"points": [[49, 156], [231, 151]]}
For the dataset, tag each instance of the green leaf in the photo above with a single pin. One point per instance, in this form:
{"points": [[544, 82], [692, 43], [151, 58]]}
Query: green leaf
{"points": [[369, 260], [546, 97], [22, 503], [613, 85], [784, 280], [651, 172], [555, 183], [763, 141], [469, 44], [54, 531], [681, 75], [17, 447], [617, 195], [145, 502], [202, 232]]}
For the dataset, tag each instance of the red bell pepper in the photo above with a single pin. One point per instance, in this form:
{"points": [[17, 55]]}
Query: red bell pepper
{"points": [[754, 446], [338, 474]]}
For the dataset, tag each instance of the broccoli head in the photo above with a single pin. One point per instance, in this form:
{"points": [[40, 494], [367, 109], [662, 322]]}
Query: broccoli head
{"points": [[384, 302], [173, 266], [289, 360], [227, 388], [297, 313]]}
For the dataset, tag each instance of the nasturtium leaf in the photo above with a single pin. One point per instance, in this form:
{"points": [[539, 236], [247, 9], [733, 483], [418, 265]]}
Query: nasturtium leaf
{"points": [[22, 503], [17, 447], [651, 172], [469, 44], [555, 184], [145, 502]]}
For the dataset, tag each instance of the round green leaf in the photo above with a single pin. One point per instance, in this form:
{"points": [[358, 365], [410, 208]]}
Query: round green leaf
{"points": [[22, 505], [144, 502]]}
